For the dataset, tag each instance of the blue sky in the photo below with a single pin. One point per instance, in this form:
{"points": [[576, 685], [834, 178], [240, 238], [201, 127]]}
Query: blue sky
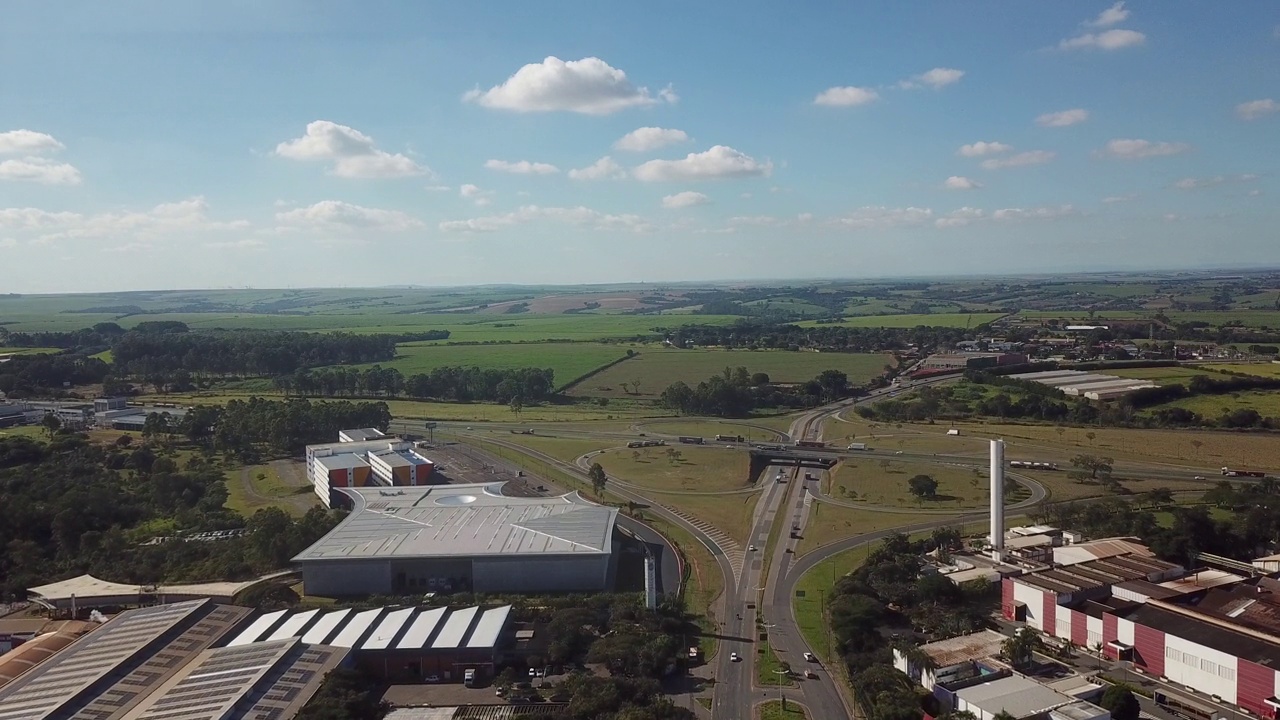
{"points": [[162, 145]]}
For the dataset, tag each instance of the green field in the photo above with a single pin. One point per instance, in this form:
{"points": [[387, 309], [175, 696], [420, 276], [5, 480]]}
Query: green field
{"points": [[27, 351], [956, 320], [1159, 375], [1267, 403], [884, 482], [569, 361], [656, 368], [697, 468], [1261, 369], [750, 430]]}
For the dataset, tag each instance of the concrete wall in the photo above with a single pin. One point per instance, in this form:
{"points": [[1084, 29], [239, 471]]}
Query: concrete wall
{"points": [[534, 574], [347, 577], [1033, 598], [1204, 669]]}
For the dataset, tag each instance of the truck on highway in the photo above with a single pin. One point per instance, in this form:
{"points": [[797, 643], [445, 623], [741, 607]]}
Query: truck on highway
{"points": [[1233, 472], [857, 446], [810, 444], [729, 438], [691, 440]]}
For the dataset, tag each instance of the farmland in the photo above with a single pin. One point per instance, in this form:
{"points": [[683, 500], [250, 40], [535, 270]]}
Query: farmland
{"points": [[656, 368], [1267, 404], [956, 320], [696, 468], [569, 361]]}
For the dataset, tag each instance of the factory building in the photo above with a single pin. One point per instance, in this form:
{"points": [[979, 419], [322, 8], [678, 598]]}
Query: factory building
{"points": [[363, 458], [972, 360], [466, 537], [1093, 386]]}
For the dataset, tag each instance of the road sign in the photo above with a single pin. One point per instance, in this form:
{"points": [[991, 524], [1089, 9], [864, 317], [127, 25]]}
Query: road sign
{"points": [[430, 425], [799, 593]]}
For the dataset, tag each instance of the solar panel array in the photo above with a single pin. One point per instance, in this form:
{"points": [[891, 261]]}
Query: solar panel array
{"points": [[55, 684], [218, 682]]}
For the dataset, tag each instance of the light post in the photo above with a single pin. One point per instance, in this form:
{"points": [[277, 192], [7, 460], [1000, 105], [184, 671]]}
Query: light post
{"points": [[781, 699]]}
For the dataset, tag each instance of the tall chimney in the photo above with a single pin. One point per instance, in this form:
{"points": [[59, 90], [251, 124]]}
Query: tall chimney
{"points": [[997, 499]]}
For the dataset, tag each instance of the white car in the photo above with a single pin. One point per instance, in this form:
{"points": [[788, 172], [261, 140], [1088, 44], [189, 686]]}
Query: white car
{"points": [[751, 548], [733, 657], [808, 657], [431, 679]]}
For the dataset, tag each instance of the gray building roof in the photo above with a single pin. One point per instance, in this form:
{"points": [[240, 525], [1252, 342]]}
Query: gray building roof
{"points": [[463, 520], [1016, 695]]}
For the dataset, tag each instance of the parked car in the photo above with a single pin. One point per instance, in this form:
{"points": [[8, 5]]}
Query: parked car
{"points": [[533, 673], [431, 679]]}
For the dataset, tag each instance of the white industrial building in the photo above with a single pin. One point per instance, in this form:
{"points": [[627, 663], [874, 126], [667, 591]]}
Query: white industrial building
{"points": [[364, 457], [1093, 386], [467, 537]]}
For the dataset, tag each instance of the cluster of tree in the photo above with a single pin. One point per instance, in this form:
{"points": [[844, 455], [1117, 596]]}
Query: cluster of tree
{"points": [[736, 392], [755, 335], [462, 384], [72, 507], [1199, 385], [346, 694], [40, 374], [152, 356], [101, 335], [283, 426], [861, 618], [960, 401]]}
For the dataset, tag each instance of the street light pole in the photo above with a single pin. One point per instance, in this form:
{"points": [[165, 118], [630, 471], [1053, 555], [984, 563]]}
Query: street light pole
{"points": [[781, 699]]}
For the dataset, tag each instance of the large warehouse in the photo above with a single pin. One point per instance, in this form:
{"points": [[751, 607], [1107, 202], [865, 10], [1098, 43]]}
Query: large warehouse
{"points": [[461, 537]]}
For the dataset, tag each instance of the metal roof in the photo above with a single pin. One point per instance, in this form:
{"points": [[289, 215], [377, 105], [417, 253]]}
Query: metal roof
{"points": [[455, 628], [1016, 695], [41, 692], [218, 682], [387, 630], [293, 626], [257, 629], [966, 648], [464, 520], [356, 628], [325, 626], [420, 631], [490, 627], [341, 461]]}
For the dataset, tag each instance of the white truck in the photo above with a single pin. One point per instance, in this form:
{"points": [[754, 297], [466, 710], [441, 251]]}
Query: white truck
{"points": [[469, 677], [857, 446]]}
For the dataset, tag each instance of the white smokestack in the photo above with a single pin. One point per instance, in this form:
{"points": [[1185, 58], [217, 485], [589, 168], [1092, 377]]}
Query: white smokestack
{"points": [[997, 499]]}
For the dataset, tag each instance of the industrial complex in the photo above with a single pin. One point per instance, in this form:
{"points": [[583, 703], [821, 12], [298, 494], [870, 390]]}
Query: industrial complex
{"points": [[466, 537], [364, 457]]}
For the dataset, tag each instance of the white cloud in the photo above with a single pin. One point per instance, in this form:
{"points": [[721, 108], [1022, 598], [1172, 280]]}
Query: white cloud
{"points": [[957, 182], [339, 215], [1105, 40], [1040, 213], [936, 78], [353, 153], [576, 216], [34, 218], [1199, 183], [475, 194], [847, 96], [168, 221], [873, 217], [981, 148], [757, 220], [522, 167], [242, 244], [602, 169], [1022, 159], [1255, 109], [27, 142], [719, 162], [39, 170], [959, 218], [438, 188], [685, 199], [1113, 15], [589, 86], [1113, 199], [8, 242], [1064, 118], [1132, 149], [649, 138]]}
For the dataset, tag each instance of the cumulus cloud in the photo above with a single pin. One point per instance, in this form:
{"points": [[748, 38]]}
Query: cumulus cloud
{"points": [[589, 86], [936, 78], [1022, 159], [475, 194], [45, 171], [1136, 149], [685, 199], [339, 215], [719, 162], [1255, 109], [1063, 119], [1106, 40], [27, 142], [649, 138], [877, 217], [1199, 183], [603, 169], [580, 216], [35, 218], [182, 219], [521, 167], [981, 148], [1039, 213], [957, 182], [353, 154], [1113, 15], [847, 96], [960, 217]]}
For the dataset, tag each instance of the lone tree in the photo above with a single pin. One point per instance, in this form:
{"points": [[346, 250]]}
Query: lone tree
{"points": [[1091, 467], [1160, 497], [598, 478], [1019, 648], [1119, 699], [51, 423], [923, 486]]}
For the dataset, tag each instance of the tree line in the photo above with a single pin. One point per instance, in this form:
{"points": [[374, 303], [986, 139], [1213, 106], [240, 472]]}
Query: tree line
{"points": [[24, 376], [461, 384], [244, 352], [773, 336], [287, 426], [736, 392], [72, 507]]}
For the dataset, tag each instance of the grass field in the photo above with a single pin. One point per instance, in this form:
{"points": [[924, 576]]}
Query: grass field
{"points": [[729, 513], [699, 468], [565, 449], [1159, 375], [1261, 369], [956, 320], [884, 482], [769, 667], [278, 486], [708, 429], [569, 361], [828, 523], [816, 586], [773, 710], [1267, 403], [656, 368]]}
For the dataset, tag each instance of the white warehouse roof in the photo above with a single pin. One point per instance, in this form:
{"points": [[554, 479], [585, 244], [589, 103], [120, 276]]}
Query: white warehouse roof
{"points": [[463, 520]]}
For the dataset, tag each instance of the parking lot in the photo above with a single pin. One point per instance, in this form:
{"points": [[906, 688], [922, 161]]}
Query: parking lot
{"points": [[459, 463]]}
